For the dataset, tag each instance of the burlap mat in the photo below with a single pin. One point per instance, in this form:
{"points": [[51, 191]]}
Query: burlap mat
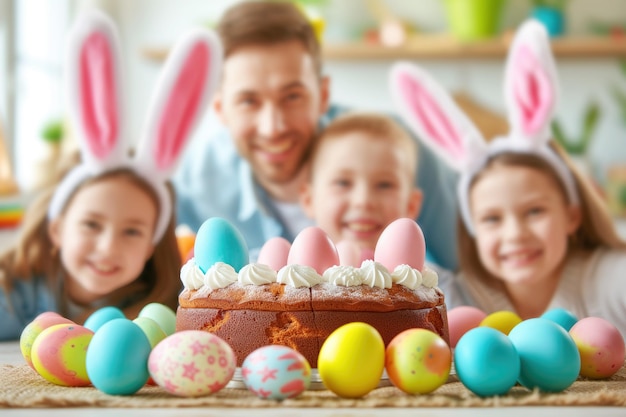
{"points": [[20, 386]]}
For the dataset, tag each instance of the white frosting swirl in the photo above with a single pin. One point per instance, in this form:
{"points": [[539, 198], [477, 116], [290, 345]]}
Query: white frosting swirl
{"points": [[191, 275], [256, 274], [298, 276], [220, 275], [343, 275], [406, 276], [375, 274], [430, 278]]}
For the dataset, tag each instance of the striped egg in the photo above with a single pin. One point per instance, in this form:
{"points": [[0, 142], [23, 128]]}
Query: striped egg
{"points": [[59, 353], [276, 372]]}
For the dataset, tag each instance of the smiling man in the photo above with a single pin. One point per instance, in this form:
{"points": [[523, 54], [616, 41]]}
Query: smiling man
{"points": [[272, 100]]}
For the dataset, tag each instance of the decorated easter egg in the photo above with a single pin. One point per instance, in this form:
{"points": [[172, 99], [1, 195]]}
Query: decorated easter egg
{"points": [[549, 358], [418, 361], [352, 359], [192, 363], [164, 316], [274, 253], [462, 319], [503, 320], [600, 345], [101, 316], [117, 358], [486, 362], [562, 317], [34, 328], [401, 243], [276, 372], [59, 354], [312, 247], [218, 240]]}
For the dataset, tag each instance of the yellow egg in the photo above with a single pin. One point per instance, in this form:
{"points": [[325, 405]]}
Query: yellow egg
{"points": [[502, 320], [352, 359]]}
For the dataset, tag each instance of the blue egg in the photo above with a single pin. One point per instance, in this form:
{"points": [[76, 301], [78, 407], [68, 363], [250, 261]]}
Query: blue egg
{"points": [[562, 317], [101, 316], [117, 358], [219, 241], [548, 355], [486, 362]]}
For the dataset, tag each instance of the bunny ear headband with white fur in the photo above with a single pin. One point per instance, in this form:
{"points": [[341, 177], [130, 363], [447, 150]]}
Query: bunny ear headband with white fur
{"points": [[530, 91], [94, 82]]}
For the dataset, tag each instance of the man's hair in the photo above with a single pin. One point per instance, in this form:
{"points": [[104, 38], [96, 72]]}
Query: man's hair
{"points": [[265, 23]]}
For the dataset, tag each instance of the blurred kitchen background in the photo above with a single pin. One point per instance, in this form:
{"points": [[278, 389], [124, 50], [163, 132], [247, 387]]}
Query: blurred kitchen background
{"points": [[463, 42]]}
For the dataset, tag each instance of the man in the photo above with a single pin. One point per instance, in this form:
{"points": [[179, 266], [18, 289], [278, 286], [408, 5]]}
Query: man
{"points": [[272, 100]]}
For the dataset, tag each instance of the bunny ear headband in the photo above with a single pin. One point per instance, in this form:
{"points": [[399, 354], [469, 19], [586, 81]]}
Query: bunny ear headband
{"points": [[530, 91], [96, 105]]}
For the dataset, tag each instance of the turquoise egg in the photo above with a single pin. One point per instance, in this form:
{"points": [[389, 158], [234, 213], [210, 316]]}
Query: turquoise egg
{"points": [[219, 241], [101, 316], [486, 362], [562, 317], [117, 358], [548, 355]]}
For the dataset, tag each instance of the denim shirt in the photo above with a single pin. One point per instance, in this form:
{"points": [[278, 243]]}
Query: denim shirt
{"points": [[25, 301], [214, 181]]}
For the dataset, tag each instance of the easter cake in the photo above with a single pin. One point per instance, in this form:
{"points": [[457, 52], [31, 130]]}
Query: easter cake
{"points": [[299, 301]]}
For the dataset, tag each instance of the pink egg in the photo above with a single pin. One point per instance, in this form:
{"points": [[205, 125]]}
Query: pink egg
{"points": [[312, 247], [349, 253], [600, 345], [192, 363], [274, 253], [402, 242], [59, 354], [34, 328], [461, 320]]}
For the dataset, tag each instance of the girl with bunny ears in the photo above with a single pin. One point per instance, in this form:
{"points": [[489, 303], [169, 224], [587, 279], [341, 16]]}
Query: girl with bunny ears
{"points": [[105, 234], [533, 232]]}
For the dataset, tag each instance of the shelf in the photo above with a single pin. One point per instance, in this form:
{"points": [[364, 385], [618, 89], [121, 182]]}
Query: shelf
{"points": [[446, 47]]}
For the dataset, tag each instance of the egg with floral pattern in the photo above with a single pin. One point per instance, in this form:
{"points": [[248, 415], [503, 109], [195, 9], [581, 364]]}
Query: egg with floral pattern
{"points": [[192, 363], [276, 372]]}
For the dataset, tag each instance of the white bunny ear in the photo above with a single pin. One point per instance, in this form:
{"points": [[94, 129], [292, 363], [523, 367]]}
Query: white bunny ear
{"points": [[185, 87], [531, 85], [430, 111], [93, 87]]}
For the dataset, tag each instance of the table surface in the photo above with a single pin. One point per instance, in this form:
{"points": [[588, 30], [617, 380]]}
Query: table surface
{"points": [[10, 354]]}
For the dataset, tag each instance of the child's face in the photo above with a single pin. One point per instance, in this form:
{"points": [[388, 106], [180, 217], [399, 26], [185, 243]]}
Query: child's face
{"points": [[104, 237], [522, 224], [359, 185]]}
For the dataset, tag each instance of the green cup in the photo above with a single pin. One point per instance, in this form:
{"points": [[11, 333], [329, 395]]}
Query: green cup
{"points": [[471, 20]]}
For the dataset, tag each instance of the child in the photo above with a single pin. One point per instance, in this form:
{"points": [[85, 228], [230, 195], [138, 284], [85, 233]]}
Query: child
{"points": [[534, 234], [361, 179], [105, 236]]}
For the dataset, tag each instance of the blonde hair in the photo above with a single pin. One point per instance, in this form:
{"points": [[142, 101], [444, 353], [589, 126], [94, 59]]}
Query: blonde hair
{"points": [[376, 126], [596, 229], [34, 254]]}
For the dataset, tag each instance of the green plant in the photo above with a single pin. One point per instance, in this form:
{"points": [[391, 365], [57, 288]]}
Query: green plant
{"points": [[552, 4], [53, 131], [580, 145], [619, 95]]}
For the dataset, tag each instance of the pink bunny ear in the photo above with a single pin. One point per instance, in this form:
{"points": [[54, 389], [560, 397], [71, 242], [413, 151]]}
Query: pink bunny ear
{"points": [[531, 83], [94, 97], [430, 111], [185, 87]]}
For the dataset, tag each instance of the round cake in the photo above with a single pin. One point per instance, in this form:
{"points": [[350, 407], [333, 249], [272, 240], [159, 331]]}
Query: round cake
{"points": [[301, 305]]}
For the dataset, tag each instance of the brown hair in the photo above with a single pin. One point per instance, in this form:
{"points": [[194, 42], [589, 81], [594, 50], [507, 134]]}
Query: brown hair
{"points": [[375, 125], [34, 255], [256, 22], [596, 229]]}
